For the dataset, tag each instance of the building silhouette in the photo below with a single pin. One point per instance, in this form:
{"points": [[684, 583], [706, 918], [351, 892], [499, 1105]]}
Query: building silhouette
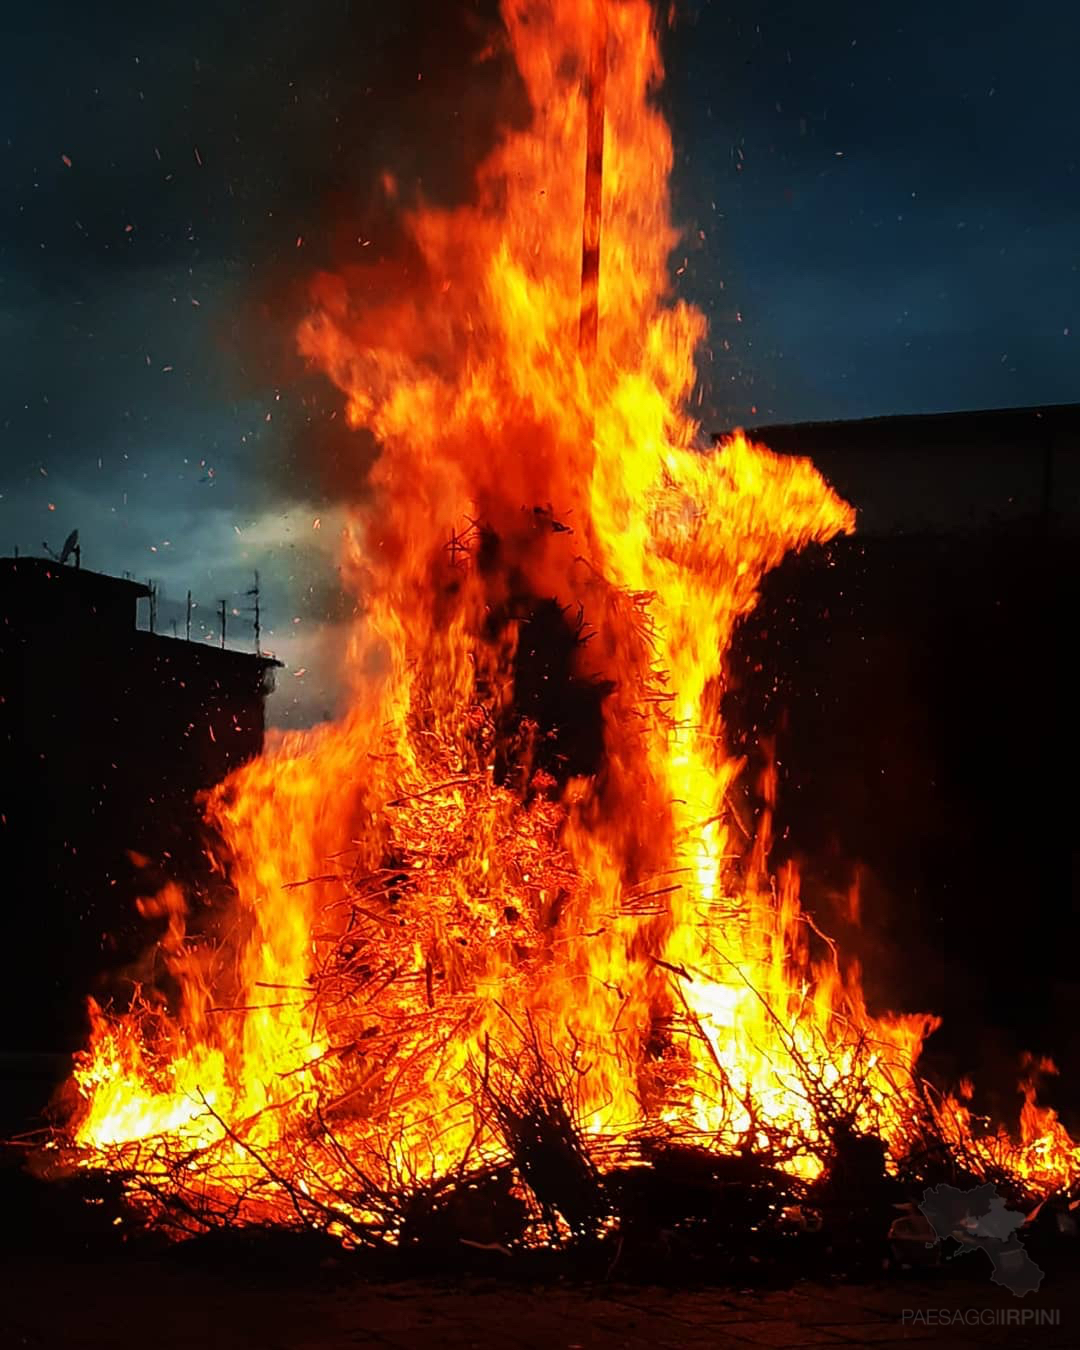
{"points": [[108, 733], [917, 679], [948, 472]]}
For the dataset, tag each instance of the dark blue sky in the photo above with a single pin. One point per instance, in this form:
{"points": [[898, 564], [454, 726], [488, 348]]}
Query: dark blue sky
{"points": [[889, 197], [900, 197]]}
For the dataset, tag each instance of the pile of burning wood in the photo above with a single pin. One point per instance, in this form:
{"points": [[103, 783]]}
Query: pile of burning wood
{"points": [[503, 974], [531, 1183]]}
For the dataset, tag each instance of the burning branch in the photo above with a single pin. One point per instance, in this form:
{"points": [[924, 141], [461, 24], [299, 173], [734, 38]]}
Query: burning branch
{"points": [[538, 964]]}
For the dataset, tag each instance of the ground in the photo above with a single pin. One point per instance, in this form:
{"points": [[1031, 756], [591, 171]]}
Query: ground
{"points": [[168, 1305], [70, 1279]]}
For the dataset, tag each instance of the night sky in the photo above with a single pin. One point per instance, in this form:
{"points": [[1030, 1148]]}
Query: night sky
{"points": [[888, 194]]}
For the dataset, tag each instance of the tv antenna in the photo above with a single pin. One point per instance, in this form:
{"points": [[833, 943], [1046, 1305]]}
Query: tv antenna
{"points": [[254, 591]]}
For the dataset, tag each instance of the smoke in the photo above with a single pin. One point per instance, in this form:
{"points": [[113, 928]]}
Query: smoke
{"points": [[404, 124]]}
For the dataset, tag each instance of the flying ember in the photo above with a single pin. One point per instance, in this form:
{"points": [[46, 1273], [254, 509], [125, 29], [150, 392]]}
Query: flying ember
{"points": [[507, 891]]}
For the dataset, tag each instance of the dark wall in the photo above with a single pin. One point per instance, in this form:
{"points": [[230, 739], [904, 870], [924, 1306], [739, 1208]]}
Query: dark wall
{"points": [[924, 715], [948, 472], [108, 735]]}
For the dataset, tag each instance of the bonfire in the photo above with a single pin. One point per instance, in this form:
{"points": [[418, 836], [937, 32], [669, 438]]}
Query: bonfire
{"points": [[484, 968]]}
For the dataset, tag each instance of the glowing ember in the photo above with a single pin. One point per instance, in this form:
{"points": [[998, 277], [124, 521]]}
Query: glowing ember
{"points": [[435, 916]]}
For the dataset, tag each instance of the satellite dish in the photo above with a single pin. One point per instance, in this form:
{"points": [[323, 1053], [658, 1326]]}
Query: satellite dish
{"points": [[71, 545]]}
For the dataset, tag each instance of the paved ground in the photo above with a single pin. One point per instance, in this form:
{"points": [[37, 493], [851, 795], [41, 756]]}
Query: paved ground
{"points": [[165, 1306], [68, 1283]]}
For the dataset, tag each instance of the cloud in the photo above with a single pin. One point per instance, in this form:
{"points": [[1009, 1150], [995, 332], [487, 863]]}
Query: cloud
{"points": [[172, 181], [150, 371], [310, 687]]}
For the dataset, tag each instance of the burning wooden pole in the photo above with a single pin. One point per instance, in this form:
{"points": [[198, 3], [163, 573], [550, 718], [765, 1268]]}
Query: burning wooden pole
{"points": [[594, 185]]}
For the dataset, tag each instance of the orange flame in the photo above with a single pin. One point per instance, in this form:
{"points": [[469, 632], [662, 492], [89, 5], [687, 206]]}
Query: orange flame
{"points": [[411, 927]]}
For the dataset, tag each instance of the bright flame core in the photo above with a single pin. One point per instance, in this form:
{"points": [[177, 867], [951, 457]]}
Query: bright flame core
{"points": [[411, 926]]}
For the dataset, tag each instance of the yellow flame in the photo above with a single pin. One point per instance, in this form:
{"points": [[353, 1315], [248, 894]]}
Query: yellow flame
{"points": [[409, 932]]}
